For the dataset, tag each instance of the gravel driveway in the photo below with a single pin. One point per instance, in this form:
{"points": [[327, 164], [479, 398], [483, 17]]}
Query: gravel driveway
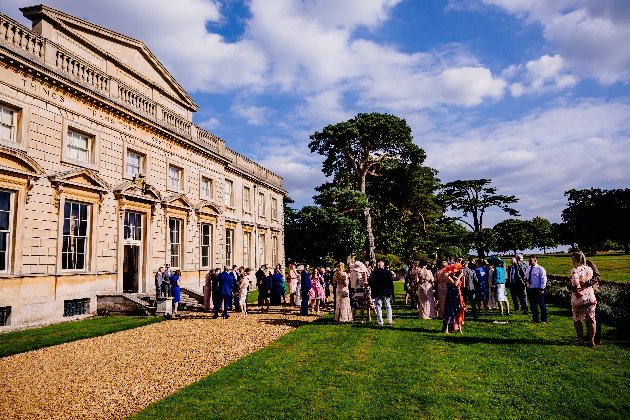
{"points": [[114, 376]]}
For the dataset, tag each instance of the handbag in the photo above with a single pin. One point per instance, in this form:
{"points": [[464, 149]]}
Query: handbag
{"points": [[345, 294]]}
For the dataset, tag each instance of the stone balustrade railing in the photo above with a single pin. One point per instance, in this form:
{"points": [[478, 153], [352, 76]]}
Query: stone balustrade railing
{"points": [[175, 121], [79, 69], [136, 100], [209, 140], [19, 36]]}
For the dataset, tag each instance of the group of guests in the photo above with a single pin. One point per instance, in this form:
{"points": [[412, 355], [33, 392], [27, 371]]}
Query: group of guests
{"points": [[167, 284], [481, 283], [364, 289]]}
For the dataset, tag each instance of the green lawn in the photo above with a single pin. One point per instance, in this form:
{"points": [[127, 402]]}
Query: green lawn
{"points": [[411, 370], [612, 266], [37, 338]]}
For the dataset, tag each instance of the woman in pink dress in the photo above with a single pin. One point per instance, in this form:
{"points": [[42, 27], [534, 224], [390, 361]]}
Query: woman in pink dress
{"points": [[317, 293], [583, 302]]}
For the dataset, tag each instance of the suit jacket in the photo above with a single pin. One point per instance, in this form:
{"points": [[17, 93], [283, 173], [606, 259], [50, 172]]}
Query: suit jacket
{"points": [[226, 284], [471, 279], [382, 282], [305, 284], [159, 278]]}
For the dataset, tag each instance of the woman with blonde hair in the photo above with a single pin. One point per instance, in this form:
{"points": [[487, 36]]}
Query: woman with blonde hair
{"points": [[343, 312], [583, 300], [293, 284]]}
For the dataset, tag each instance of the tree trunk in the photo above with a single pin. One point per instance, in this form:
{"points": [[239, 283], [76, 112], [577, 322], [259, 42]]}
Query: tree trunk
{"points": [[626, 249], [370, 234]]}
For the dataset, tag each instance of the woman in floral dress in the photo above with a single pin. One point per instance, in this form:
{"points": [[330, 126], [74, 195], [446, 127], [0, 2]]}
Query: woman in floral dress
{"points": [[426, 300], [343, 312], [316, 294], [440, 277], [583, 302], [453, 304]]}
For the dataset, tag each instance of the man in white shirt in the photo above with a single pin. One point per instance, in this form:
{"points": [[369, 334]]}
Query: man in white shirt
{"points": [[536, 278]]}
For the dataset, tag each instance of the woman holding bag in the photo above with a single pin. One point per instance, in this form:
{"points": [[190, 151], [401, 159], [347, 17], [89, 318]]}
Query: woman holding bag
{"points": [[583, 300]]}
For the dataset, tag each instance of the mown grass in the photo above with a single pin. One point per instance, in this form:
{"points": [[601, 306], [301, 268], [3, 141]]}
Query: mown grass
{"points": [[612, 266], [37, 338], [411, 370]]}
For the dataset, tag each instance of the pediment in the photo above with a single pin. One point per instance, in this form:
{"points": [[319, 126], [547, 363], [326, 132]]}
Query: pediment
{"points": [[208, 208], [16, 162], [138, 190], [81, 178], [134, 63], [178, 201]]}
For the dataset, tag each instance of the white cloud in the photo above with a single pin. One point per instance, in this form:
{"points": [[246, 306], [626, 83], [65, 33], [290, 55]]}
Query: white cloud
{"points": [[255, 115], [580, 144], [590, 35], [542, 76], [209, 124]]}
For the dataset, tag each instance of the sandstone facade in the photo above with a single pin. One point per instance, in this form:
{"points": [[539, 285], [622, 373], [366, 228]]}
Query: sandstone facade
{"points": [[104, 177]]}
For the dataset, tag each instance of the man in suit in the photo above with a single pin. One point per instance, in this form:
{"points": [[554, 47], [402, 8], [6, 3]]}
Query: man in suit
{"points": [[226, 289], [469, 288], [382, 284], [305, 286], [159, 278], [166, 281]]}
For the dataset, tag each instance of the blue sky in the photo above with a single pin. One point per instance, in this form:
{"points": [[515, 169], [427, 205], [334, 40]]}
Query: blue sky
{"points": [[532, 94]]}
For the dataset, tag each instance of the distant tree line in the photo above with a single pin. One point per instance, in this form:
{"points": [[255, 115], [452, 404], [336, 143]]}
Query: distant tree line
{"points": [[382, 200]]}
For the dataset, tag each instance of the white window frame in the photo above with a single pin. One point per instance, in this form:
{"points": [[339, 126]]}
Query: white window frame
{"points": [[247, 246], [274, 250], [261, 205], [140, 166], [135, 230], [180, 224], [228, 193], [93, 145], [12, 125], [274, 208], [208, 189], [9, 232], [87, 237], [229, 246], [180, 179], [247, 202], [72, 148], [261, 248], [205, 246]]}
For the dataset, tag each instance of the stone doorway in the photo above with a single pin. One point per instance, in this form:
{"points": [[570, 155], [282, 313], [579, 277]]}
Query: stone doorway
{"points": [[131, 269]]}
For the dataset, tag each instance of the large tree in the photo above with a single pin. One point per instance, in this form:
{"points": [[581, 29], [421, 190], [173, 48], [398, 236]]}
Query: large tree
{"points": [[512, 235], [542, 234], [358, 148], [472, 198]]}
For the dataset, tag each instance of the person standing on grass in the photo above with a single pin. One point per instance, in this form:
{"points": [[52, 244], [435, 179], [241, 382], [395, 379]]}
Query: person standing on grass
{"points": [[536, 278], [293, 284], [343, 311], [305, 287], [277, 289], [583, 302], [358, 278], [424, 279], [594, 282], [159, 278], [516, 283], [481, 291], [226, 290], [492, 304], [382, 283], [468, 289], [440, 278], [500, 294], [454, 308]]}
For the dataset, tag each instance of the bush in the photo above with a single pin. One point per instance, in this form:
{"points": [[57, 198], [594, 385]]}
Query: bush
{"points": [[390, 260]]}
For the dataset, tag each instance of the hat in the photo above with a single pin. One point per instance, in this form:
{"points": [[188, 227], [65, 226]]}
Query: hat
{"points": [[359, 267], [300, 267], [453, 268]]}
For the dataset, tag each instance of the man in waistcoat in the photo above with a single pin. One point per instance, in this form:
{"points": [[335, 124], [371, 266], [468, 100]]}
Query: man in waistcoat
{"points": [[536, 278]]}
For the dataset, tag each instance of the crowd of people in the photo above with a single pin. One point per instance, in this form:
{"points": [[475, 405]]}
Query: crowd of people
{"points": [[453, 291]]}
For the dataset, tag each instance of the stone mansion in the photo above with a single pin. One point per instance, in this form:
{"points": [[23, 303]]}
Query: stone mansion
{"points": [[104, 177]]}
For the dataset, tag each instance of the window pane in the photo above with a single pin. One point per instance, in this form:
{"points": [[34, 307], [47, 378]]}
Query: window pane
{"points": [[7, 116], [4, 220], [5, 132], [5, 201]]}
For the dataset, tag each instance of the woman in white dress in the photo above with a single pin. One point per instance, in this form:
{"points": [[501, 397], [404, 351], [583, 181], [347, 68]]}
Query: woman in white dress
{"points": [[426, 300]]}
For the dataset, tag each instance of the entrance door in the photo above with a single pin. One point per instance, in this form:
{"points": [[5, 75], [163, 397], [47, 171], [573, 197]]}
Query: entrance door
{"points": [[132, 252], [131, 267]]}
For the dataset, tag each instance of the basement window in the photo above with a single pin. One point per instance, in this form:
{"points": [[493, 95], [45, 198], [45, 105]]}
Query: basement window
{"points": [[5, 316], [75, 307]]}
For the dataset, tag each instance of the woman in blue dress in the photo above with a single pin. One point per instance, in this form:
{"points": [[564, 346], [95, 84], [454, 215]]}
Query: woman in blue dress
{"points": [[277, 289], [175, 287]]}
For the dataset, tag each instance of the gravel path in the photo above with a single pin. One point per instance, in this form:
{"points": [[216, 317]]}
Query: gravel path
{"points": [[114, 376]]}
